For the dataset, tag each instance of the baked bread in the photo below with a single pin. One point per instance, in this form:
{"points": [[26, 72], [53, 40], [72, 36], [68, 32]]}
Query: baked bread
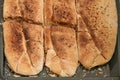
{"points": [[60, 11], [26, 9], [23, 47], [92, 42], [61, 48], [99, 17], [88, 51]]}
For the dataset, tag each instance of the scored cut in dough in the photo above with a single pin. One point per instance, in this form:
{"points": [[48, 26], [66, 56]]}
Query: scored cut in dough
{"points": [[26, 9], [24, 53], [100, 19], [61, 48], [88, 51], [61, 11], [96, 22]]}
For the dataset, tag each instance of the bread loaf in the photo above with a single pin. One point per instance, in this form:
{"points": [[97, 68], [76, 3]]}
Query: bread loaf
{"points": [[74, 30], [23, 35], [24, 47], [28, 10], [99, 18], [61, 48], [60, 11]]}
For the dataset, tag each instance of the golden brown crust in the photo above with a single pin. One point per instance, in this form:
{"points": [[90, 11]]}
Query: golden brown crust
{"points": [[11, 9], [81, 27], [26, 9], [61, 50], [61, 11], [14, 42], [33, 32], [96, 34], [48, 11], [19, 47], [34, 37], [36, 54], [32, 10], [88, 52], [24, 66], [101, 23]]}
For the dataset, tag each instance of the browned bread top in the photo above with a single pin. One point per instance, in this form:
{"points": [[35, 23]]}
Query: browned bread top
{"points": [[28, 10], [61, 48], [61, 11], [95, 36], [100, 19], [25, 55]]}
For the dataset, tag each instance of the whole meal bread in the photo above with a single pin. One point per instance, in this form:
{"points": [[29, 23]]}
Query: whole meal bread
{"points": [[24, 47], [61, 33], [97, 31], [61, 48]]}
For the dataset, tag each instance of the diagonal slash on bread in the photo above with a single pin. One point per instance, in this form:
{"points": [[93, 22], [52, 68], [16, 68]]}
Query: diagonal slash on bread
{"points": [[97, 30], [74, 30], [24, 47], [61, 48], [28, 10]]}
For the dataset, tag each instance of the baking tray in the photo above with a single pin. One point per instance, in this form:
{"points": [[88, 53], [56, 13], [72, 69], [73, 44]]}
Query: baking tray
{"points": [[110, 71]]}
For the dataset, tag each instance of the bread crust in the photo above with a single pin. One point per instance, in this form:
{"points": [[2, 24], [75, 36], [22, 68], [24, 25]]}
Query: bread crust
{"points": [[25, 54], [60, 11], [26, 9], [11, 9], [95, 36], [61, 48], [100, 18], [89, 54]]}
